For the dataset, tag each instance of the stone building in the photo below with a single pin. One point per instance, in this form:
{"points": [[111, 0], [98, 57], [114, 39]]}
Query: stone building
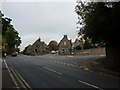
{"points": [[65, 46], [38, 48], [78, 44]]}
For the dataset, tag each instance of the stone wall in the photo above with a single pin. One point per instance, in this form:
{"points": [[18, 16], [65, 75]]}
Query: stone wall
{"points": [[93, 51], [65, 46]]}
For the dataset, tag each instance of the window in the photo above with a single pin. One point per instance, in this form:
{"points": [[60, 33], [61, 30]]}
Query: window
{"points": [[64, 43]]}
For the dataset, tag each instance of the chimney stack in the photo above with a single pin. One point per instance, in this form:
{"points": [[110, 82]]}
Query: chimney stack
{"points": [[65, 36]]}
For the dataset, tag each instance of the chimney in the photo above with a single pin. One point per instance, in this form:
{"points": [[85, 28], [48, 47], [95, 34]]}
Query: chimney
{"points": [[65, 36], [39, 39]]}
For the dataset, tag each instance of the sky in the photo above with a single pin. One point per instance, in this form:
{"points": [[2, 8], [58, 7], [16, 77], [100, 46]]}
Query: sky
{"points": [[47, 20]]}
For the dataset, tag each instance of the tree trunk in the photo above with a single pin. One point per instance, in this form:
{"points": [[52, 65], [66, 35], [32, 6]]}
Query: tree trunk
{"points": [[113, 56]]}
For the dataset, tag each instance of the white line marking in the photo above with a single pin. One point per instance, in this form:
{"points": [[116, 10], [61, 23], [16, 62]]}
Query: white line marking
{"points": [[61, 63], [11, 74], [53, 70], [72, 65], [90, 85], [64, 63], [68, 64]]}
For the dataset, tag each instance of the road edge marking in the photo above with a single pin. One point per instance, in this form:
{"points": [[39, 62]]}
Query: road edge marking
{"points": [[90, 85], [23, 80], [11, 74], [18, 78]]}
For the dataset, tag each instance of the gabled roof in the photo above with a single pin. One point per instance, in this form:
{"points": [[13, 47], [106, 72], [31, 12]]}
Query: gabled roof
{"points": [[65, 36]]}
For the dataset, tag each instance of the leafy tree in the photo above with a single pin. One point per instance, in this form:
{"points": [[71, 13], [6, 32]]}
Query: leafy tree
{"points": [[10, 38], [88, 44], [99, 21], [53, 45]]}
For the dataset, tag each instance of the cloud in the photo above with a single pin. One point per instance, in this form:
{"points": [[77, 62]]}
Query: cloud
{"points": [[38, 1], [49, 21]]}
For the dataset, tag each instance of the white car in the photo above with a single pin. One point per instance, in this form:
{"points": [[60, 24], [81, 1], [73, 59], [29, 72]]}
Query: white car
{"points": [[53, 52], [14, 54]]}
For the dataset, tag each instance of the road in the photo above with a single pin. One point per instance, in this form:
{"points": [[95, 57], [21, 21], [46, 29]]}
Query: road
{"points": [[51, 71]]}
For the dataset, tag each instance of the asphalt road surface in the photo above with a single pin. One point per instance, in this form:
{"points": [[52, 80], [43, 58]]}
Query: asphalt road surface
{"points": [[51, 71]]}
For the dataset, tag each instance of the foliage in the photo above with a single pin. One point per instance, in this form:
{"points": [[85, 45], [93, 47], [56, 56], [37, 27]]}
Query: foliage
{"points": [[10, 38], [99, 21], [88, 44], [53, 45]]}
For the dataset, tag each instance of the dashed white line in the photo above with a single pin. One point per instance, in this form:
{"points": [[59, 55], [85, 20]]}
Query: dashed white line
{"points": [[61, 63], [53, 70], [72, 65], [90, 85], [68, 64], [64, 63]]}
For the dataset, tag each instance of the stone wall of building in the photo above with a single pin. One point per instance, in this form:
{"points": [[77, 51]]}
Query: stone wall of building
{"points": [[38, 48], [65, 46]]}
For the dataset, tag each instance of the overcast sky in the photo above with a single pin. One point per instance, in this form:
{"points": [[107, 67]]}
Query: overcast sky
{"points": [[47, 20]]}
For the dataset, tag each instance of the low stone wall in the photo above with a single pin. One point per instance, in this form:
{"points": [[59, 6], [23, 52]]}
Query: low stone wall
{"points": [[93, 51]]}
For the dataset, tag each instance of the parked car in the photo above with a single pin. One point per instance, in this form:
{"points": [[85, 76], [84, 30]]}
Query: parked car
{"points": [[72, 53], [4, 54], [14, 54], [53, 52]]}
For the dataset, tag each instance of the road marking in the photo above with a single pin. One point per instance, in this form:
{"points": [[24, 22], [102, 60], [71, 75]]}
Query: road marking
{"points": [[61, 63], [90, 85], [72, 65], [18, 79], [16, 73], [11, 75], [53, 70], [23, 80], [64, 63], [68, 64]]}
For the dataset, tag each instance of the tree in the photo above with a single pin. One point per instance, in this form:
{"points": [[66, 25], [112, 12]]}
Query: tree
{"points": [[53, 45], [10, 38], [100, 23], [88, 44]]}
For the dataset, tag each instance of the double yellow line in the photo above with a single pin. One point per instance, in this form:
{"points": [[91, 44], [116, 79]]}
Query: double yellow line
{"points": [[21, 80]]}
